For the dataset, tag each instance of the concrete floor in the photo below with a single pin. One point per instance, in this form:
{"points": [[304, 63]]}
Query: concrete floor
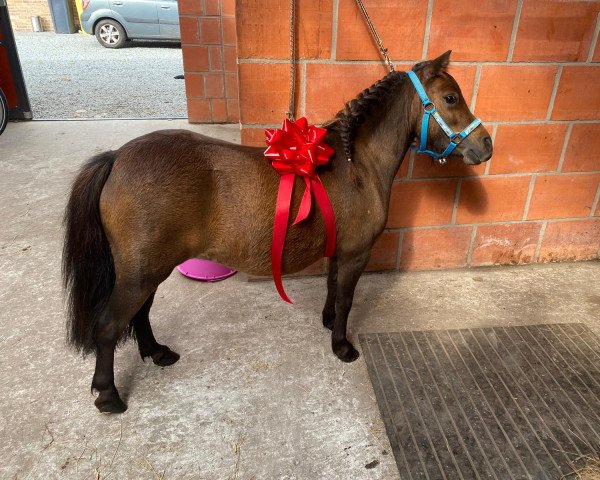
{"points": [[257, 393]]}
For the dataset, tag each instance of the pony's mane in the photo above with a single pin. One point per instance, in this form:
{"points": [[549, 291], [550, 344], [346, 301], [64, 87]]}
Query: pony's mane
{"points": [[354, 112]]}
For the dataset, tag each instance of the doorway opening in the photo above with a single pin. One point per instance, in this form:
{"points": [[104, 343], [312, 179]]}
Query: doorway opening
{"points": [[73, 76]]}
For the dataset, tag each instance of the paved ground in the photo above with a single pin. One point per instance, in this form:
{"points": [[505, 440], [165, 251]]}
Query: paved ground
{"points": [[72, 76], [257, 393]]}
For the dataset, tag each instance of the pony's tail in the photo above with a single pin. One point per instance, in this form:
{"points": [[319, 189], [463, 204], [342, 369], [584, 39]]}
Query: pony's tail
{"points": [[87, 264]]}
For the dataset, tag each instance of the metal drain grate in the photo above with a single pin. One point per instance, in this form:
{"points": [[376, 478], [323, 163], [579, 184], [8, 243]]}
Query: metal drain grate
{"points": [[488, 403]]}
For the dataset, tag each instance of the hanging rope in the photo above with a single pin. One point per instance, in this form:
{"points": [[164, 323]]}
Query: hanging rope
{"points": [[291, 105], [382, 49], [291, 113]]}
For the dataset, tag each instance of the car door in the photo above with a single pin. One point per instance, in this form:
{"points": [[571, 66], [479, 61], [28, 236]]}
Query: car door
{"points": [[140, 16], [168, 18]]}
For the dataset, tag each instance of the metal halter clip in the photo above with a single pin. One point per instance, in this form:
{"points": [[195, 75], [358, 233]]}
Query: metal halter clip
{"points": [[442, 160]]}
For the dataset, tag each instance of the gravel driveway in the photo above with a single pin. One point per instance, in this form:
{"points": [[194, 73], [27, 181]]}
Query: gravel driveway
{"points": [[72, 76]]}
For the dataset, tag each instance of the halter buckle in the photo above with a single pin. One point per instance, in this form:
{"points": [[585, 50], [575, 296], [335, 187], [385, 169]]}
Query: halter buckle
{"points": [[442, 160], [457, 138], [430, 110]]}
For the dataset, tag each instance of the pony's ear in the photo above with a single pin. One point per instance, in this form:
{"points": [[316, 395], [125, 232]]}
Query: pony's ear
{"points": [[436, 66]]}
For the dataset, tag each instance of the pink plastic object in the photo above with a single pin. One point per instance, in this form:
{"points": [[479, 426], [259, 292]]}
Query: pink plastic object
{"points": [[205, 270]]}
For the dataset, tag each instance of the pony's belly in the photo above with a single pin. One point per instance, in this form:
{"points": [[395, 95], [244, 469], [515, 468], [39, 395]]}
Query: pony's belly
{"points": [[259, 264], [245, 245]]}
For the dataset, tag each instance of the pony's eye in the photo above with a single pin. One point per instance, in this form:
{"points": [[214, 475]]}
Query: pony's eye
{"points": [[450, 99]]}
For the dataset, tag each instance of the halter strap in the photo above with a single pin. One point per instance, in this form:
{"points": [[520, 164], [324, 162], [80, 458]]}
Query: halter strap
{"points": [[431, 111]]}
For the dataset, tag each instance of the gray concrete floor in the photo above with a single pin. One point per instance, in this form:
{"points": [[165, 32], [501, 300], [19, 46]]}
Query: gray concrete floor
{"points": [[257, 393]]}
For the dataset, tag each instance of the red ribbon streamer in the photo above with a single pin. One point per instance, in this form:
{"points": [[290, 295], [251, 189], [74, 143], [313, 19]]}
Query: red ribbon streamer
{"points": [[298, 149]]}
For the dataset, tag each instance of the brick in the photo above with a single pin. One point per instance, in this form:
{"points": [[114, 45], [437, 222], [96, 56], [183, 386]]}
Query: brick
{"points": [[263, 28], [194, 84], [210, 30], [475, 29], [384, 252], [264, 91], [189, 30], [563, 196], [555, 31], [228, 8], [514, 92], [199, 110], [190, 7], [230, 60], [213, 7], [582, 152], [313, 28], [401, 26], [435, 248], [214, 85], [229, 35], [422, 203], [195, 58], [425, 167], [218, 108], [254, 137], [527, 148], [465, 77], [231, 85], [578, 94], [567, 241], [329, 87], [233, 110], [505, 244], [403, 170], [215, 57], [492, 199]]}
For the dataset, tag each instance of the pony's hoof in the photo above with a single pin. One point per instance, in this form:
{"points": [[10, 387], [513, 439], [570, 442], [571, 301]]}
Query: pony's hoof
{"points": [[345, 351], [164, 356], [110, 403], [328, 320]]}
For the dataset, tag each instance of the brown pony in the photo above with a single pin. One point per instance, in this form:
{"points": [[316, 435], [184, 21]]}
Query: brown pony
{"points": [[137, 212]]}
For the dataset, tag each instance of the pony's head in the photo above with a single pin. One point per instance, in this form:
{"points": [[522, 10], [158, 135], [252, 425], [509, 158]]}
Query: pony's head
{"points": [[458, 132]]}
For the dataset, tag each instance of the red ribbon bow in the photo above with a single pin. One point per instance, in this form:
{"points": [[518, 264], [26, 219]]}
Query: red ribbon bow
{"points": [[298, 149]]}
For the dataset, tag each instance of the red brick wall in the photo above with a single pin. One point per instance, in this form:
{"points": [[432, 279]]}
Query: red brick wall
{"points": [[530, 69], [210, 60]]}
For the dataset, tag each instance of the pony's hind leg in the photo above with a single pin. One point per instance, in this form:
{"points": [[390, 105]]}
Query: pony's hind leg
{"points": [[126, 299], [161, 354], [349, 271]]}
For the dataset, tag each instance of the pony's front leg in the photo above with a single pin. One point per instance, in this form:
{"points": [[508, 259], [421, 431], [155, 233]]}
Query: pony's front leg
{"points": [[349, 271], [329, 308]]}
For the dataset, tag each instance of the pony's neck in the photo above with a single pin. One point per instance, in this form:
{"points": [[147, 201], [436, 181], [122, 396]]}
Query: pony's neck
{"points": [[383, 140]]}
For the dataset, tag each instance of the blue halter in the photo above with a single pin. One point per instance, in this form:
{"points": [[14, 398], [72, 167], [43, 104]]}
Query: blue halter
{"points": [[430, 110]]}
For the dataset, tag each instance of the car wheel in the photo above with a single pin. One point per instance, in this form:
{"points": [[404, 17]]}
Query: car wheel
{"points": [[3, 111], [110, 34]]}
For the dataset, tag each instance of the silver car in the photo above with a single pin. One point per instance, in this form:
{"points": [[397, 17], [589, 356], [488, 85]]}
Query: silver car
{"points": [[116, 21]]}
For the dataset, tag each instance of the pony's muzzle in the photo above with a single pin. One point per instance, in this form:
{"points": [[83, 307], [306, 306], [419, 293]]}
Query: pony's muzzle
{"points": [[480, 153]]}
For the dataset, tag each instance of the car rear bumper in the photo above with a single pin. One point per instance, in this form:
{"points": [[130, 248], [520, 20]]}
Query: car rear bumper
{"points": [[86, 24]]}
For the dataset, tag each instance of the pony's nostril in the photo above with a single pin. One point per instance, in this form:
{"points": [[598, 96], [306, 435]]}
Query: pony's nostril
{"points": [[487, 142]]}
